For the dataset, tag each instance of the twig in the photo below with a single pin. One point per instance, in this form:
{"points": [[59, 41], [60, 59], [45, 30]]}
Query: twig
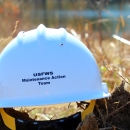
{"points": [[121, 76], [16, 24], [117, 110], [11, 35], [52, 117], [69, 105], [80, 105], [1, 40], [108, 124], [85, 103], [124, 73], [111, 69], [101, 116], [106, 106], [30, 110]]}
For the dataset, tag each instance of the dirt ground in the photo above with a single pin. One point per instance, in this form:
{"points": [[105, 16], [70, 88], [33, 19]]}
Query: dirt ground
{"points": [[109, 114], [115, 112]]}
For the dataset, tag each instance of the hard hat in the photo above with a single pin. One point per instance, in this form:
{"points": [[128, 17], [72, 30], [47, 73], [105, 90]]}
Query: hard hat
{"points": [[48, 66]]}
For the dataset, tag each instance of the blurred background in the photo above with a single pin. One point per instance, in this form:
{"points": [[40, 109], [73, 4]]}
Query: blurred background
{"points": [[107, 16], [102, 25]]}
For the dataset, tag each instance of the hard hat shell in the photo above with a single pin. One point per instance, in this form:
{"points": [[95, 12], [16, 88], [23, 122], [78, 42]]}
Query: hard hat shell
{"points": [[48, 66]]}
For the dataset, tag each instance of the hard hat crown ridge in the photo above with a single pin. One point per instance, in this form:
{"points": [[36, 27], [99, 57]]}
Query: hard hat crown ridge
{"points": [[50, 34], [48, 66]]}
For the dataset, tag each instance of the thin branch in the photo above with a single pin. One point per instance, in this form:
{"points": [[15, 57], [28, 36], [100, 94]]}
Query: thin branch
{"points": [[80, 105], [30, 110], [111, 69], [15, 28], [106, 106], [11, 35], [121, 76], [101, 116], [69, 105], [117, 110], [52, 117]]}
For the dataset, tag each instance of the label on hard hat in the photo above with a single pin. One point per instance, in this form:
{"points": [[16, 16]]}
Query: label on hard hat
{"points": [[48, 66], [43, 78]]}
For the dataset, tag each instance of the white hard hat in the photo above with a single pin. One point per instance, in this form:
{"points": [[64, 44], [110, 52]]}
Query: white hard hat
{"points": [[48, 66]]}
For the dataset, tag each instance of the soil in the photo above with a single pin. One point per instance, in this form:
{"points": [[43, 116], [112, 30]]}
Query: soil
{"points": [[109, 114], [115, 112]]}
